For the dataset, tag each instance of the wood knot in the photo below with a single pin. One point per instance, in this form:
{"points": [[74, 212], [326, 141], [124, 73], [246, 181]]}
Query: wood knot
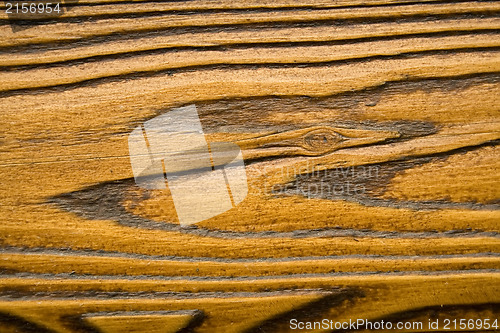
{"points": [[322, 140]]}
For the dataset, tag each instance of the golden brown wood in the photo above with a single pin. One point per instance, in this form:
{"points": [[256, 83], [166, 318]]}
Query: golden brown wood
{"points": [[370, 134]]}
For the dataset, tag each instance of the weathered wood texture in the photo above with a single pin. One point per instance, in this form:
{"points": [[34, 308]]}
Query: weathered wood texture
{"points": [[370, 134]]}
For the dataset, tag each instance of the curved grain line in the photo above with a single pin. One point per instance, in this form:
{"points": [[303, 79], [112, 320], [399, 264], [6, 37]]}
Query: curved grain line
{"points": [[96, 254], [327, 79], [151, 9], [151, 242], [58, 31], [187, 60], [71, 263], [46, 282], [264, 37], [249, 4], [41, 60]]}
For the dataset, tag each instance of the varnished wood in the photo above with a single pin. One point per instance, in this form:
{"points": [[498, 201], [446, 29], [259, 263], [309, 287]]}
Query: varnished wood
{"points": [[397, 98]]}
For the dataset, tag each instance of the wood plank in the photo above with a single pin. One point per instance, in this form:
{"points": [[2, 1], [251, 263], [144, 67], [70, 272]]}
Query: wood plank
{"points": [[369, 132]]}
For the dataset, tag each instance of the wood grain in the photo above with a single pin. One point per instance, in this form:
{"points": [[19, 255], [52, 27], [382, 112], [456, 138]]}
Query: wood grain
{"points": [[370, 132]]}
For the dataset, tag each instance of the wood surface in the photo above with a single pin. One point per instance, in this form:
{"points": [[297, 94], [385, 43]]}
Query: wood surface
{"points": [[395, 102]]}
